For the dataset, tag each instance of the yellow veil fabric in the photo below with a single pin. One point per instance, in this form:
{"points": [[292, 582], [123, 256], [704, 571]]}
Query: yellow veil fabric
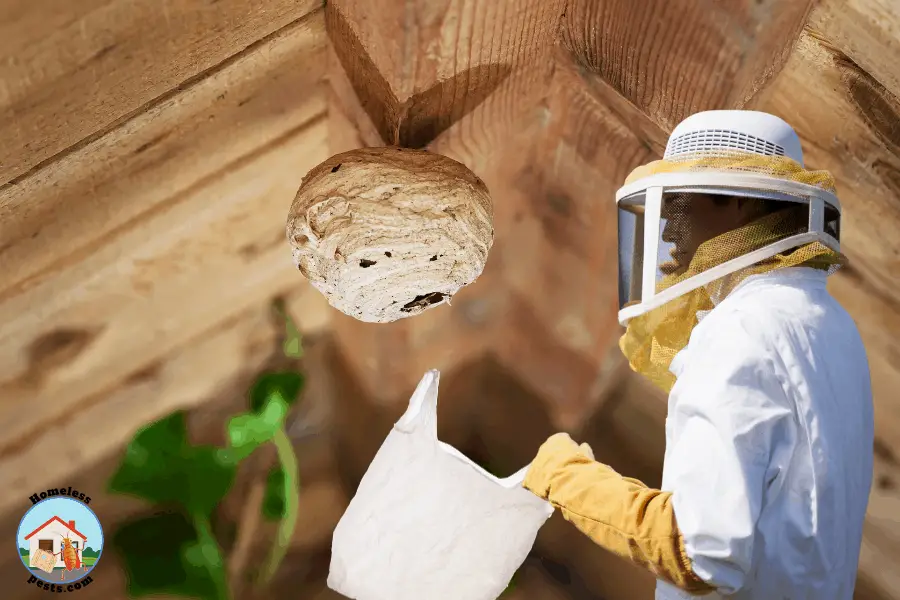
{"points": [[652, 339]]}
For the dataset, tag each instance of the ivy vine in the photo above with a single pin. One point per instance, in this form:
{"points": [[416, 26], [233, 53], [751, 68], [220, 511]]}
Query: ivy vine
{"points": [[174, 551]]}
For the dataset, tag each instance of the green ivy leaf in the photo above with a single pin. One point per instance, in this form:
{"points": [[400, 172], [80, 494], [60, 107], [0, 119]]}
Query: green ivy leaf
{"points": [[161, 466], [209, 473], [287, 384], [164, 554], [249, 431], [274, 505]]}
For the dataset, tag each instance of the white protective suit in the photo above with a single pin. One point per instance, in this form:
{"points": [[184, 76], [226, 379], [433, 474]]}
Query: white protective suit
{"points": [[769, 442], [725, 246]]}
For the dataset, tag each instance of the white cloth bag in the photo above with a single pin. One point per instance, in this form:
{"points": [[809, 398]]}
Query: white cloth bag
{"points": [[429, 524]]}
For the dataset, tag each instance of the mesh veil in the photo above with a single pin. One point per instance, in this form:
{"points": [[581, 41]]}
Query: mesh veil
{"points": [[653, 338]]}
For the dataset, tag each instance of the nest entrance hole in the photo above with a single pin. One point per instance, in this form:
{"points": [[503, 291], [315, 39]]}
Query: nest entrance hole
{"points": [[423, 301]]}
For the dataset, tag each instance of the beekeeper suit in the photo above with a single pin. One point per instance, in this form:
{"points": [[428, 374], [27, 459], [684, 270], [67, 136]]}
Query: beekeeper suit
{"points": [[724, 250]]}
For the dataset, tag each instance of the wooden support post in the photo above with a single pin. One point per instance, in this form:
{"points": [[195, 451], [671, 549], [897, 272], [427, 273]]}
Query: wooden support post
{"points": [[402, 74], [418, 67], [674, 58], [610, 100], [179, 238]]}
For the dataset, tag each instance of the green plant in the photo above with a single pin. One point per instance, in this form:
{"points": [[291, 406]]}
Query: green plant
{"points": [[173, 551]]}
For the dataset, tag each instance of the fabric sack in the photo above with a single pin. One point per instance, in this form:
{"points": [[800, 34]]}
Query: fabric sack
{"points": [[427, 523]]}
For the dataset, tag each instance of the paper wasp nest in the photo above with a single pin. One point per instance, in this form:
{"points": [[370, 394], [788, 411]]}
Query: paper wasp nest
{"points": [[387, 233]]}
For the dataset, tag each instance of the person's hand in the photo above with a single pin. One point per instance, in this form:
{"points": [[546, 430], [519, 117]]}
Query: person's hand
{"points": [[564, 439], [559, 450]]}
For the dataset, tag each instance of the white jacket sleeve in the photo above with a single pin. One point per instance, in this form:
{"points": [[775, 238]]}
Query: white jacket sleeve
{"points": [[728, 411]]}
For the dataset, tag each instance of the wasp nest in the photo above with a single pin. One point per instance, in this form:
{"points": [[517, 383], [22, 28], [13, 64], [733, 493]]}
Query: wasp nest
{"points": [[387, 233]]}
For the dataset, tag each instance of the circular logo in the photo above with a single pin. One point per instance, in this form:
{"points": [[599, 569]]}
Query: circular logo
{"points": [[60, 540]]}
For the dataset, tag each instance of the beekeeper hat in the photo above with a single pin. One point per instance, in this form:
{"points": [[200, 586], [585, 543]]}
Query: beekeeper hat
{"points": [[737, 159]]}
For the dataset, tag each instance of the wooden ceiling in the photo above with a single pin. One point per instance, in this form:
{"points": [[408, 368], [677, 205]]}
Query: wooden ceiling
{"points": [[151, 151]]}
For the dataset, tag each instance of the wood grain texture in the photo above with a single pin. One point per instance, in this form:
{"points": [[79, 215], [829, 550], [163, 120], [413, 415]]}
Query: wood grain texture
{"points": [[418, 67], [69, 72], [379, 99], [197, 259], [868, 31], [556, 237], [849, 131], [389, 359], [349, 126], [675, 58], [852, 131], [127, 259], [52, 217], [494, 135], [183, 378]]}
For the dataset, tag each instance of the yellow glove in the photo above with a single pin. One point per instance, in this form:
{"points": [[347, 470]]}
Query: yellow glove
{"points": [[619, 513]]}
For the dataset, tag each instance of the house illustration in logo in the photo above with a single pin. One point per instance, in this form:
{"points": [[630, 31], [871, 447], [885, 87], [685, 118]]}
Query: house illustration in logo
{"points": [[50, 535]]}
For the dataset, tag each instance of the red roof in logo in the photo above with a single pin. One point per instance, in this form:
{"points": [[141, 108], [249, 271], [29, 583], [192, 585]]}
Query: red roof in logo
{"points": [[67, 526]]}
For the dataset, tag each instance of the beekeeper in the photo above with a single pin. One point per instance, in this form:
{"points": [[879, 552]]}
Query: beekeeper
{"points": [[724, 249]]}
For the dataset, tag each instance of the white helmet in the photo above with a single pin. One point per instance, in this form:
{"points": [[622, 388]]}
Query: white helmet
{"points": [[731, 161], [743, 130]]}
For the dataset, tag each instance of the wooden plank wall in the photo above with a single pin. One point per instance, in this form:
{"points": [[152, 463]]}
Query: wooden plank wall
{"points": [[142, 212]]}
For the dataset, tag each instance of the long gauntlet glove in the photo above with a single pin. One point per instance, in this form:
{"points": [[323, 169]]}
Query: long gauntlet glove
{"points": [[619, 513]]}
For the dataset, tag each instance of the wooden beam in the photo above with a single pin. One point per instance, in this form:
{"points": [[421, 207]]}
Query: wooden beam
{"points": [[390, 358], [403, 74], [674, 58], [555, 231], [150, 285], [361, 421], [349, 126], [572, 383], [72, 71], [117, 288], [418, 67], [867, 31], [852, 131], [185, 377], [881, 541], [51, 218]]}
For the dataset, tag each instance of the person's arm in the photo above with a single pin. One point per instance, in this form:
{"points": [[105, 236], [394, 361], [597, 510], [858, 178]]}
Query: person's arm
{"points": [[620, 514], [729, 412]]}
